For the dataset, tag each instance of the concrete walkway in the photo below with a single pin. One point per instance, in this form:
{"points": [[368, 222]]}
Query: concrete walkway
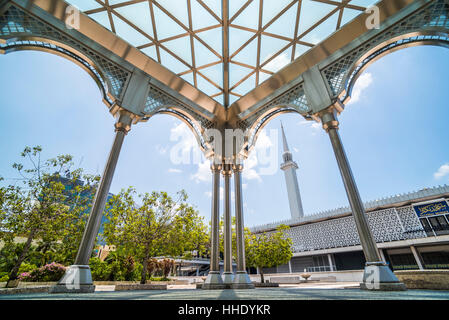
{"points": [[282, 293]]}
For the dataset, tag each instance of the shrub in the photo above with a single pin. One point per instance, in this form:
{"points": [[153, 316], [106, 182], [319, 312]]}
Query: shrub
{"points": [[27, 267], [100, 270], [153, 266], [49, 272], [166, 266], [52, 272], [160, 279], [4, 278], [11, 252]]}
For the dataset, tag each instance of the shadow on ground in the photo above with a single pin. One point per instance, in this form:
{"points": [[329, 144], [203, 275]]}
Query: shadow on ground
{"points": [[257, 294]]}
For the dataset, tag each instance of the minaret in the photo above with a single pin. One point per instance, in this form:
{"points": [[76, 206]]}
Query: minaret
{"points": [[289, 167]]}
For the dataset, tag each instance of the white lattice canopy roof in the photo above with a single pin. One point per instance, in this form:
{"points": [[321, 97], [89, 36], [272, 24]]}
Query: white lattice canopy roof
{"points": [[223, 48]]}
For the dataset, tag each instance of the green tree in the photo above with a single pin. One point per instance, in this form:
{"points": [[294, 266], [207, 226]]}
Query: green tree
{"points": [[269, 250], [79, 201], [157, 226], [3, 198], [246, 234], [189, 233], [42, 208]]}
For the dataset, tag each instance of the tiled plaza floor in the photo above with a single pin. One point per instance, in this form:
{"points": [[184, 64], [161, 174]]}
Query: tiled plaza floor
{"points": [[284, 293]]}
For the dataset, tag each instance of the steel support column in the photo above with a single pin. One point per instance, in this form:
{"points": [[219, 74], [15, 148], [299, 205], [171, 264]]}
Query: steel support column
{"points": [[228, 276], [78, 277], [241, 279], [214, 280], [378, 275], [417, 257], [331, 262]]}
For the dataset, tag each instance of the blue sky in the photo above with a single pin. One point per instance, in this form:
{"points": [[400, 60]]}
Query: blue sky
{"points": [[395, 135]]}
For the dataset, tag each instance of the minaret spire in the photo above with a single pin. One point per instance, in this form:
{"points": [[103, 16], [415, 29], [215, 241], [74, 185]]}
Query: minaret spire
{"points": [[289, 167], [287, 155], [284, 139]]}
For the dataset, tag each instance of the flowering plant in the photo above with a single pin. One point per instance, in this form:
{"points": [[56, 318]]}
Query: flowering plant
{"points": [[50, 272]]}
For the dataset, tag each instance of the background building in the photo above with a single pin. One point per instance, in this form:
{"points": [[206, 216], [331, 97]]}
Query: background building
{"points": [[89, 195], [411, 231]]}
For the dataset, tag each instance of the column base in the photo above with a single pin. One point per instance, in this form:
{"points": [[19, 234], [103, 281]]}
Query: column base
{"points": [[228, 277], [213, 281], [379, 277], [242, 281], [77, 279], [64, 289]]}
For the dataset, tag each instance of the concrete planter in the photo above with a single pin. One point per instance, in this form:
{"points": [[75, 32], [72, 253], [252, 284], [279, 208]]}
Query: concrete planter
{"points": [[199, 285], [13, 283], [24, 290], [424, 279]]}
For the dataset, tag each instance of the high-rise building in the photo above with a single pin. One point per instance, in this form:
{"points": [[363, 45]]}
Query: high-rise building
{"points": [[69, 184]]}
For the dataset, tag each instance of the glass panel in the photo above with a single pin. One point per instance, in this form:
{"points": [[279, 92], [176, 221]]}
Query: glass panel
{"points": [[436, 260], [443, 223], [435, 224], [164, 29], [444, 226], [404, 261], [426, 225]]}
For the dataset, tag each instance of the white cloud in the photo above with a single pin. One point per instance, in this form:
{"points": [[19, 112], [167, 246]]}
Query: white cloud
{"points": [[363, 82], [186, 149], [203, 173], [316, 126], [442, 171], [263, 145], [208, 194], [277, 63], [173, 170]]}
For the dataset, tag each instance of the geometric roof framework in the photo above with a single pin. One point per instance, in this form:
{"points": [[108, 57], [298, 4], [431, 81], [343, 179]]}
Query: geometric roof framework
{"points": [[135, 86], [187, 36], [116, 48]]}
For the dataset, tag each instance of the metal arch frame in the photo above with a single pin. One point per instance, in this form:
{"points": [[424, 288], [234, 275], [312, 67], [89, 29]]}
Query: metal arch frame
{"points": [[405, 41], [159, 103], [258, 125], [16, 42], [52, 47], [32, 41], [343, 41], [117, 52], [59, 49], [289, 102], [64, 46], [401, 42], [408, 28], [193, 124], [103, 42], [375, 50]]}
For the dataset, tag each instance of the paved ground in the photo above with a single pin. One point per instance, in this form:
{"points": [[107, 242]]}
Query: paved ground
{"points": [[328, 291]]}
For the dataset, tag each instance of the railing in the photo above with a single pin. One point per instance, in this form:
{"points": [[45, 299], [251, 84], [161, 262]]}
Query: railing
{"points": [[320, 269]]}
